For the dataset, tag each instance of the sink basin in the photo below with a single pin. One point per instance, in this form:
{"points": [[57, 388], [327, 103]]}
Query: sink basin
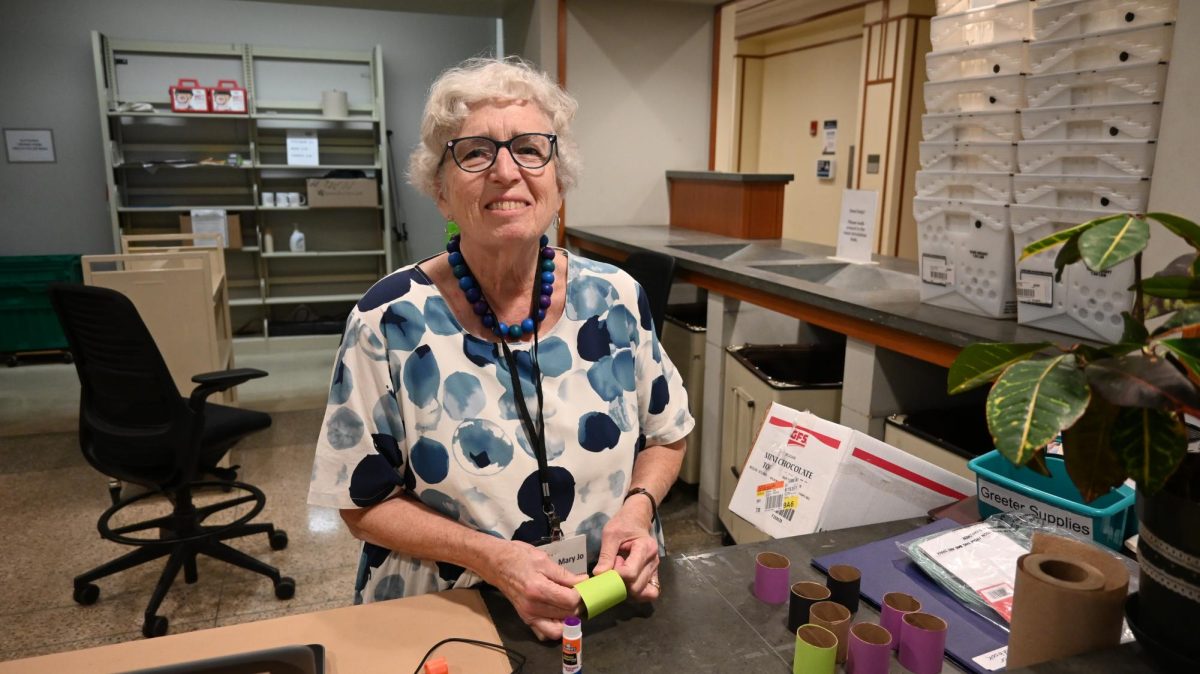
{"points": [[718, 251], [821, 272], [747, 253], [868, 282]]}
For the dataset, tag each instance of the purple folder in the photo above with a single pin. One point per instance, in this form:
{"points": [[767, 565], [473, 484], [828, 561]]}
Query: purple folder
{"points": [[885, 568]]}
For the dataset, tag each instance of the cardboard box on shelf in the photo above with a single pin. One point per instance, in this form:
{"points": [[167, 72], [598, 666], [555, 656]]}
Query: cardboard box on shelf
{"points": [[234, 226], [342, 192], [806, 474]]}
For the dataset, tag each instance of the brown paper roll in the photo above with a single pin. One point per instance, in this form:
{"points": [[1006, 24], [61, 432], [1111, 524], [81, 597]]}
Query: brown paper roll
{"points": [[1068, 600]]}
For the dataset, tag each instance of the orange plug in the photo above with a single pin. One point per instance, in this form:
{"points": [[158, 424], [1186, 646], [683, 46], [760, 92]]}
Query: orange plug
{"points": [[437, 666]]}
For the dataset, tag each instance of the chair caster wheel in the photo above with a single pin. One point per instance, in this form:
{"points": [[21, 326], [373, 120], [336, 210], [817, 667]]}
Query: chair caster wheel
{"points": [[155, 626], [285, 588], [278, 539], [87, 594]]}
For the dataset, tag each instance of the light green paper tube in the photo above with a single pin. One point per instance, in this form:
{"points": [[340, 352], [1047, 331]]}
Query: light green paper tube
{"points": [[816, 650], [602, 592]]}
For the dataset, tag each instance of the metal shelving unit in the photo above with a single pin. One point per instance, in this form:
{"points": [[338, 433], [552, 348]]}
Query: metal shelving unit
{"points": [[348, 248]]}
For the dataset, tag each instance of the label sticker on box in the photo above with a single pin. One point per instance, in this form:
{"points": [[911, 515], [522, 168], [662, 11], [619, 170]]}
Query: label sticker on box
{"points": [[1036, 287], [936, 270]]}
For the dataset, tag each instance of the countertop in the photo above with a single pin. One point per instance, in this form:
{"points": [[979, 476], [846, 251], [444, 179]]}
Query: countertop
{"points": [[748, 263], [708, 619]]}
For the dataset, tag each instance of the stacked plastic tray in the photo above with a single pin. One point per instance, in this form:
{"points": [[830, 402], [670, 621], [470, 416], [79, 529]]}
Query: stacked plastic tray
{"points": [[975, 88], [1097, 70]]}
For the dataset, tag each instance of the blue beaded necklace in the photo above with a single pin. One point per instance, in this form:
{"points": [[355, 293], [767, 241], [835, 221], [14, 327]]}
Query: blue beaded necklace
{"points": [[470, 288]]}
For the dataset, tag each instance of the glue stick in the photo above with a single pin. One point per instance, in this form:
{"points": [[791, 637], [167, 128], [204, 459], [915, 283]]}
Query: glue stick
{"points": [[572, 646]]}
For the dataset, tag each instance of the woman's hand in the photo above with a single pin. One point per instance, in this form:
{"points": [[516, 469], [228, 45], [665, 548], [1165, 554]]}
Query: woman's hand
{"points": [[627, 545], [541, 591]]}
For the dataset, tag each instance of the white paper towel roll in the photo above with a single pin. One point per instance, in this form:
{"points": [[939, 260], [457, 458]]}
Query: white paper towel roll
{"points": [[334, 104]]}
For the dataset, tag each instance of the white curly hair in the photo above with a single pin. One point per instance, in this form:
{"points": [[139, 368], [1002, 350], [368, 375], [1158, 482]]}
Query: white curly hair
{"points": [[483, 79]]}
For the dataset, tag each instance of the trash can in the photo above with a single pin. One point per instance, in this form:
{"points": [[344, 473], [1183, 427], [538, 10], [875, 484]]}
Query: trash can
{"points": [[947, 438], [800, 376], [683, 339], [27, 320]]}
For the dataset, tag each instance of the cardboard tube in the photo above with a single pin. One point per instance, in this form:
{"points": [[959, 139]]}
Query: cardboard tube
{"points": [[922, 643], [602, 592], [804, 595], [1068, 599], [816, 648], [334, 104], [891, 613], [835, 618], [843, 582], [771, 576], [870, 649]]}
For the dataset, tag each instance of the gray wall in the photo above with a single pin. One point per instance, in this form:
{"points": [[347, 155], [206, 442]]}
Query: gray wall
{"points": [[45, 49], [641, 72]]}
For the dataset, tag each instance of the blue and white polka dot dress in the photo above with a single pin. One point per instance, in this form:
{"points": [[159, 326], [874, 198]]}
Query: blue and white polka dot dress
{"points": [[418, 404]]}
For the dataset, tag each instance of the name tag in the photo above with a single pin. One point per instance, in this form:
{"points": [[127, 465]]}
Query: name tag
{"points": [[569, 553]]}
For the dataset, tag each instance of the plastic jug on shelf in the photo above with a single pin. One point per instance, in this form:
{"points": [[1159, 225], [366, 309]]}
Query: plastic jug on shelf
{"points": [[296, 243]]}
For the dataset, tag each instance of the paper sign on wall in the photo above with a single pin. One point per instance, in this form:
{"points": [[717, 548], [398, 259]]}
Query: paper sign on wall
{"points": [[302, 149], [29, 145], [856, 226], [830, 144]]}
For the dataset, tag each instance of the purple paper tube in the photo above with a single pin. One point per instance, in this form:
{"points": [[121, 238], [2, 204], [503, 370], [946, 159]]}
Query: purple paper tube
{"points": [[870, 649], [922, 643], [772, 577], [891, 613]]}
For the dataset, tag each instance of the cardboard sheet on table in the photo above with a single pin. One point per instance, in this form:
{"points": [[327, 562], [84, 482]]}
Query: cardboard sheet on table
{"points": [[885, 568]]}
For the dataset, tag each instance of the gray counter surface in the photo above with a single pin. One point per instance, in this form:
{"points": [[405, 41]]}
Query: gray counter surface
{"points": [[883, 294], [708, 619]]}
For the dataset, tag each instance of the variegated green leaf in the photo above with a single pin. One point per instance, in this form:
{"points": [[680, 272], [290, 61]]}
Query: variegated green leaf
{"points": [[1052, 240], [1187, 350], [1184, 228], [1188, 316], [1032, 402], [1067, 255], [1113, 241], [1150, 444], [981, 363], [1172, 287], [1087, 451], [1137, 381], [1135, 332]]}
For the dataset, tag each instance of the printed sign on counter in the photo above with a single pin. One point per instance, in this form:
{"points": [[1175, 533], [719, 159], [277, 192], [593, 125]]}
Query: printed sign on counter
{"points": [[856, 227]]}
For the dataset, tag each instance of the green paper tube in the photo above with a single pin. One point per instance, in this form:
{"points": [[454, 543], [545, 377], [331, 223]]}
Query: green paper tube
{"points": [[816, 650], [600, 593]]}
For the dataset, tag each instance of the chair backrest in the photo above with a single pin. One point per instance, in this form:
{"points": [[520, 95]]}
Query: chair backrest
{"points": [[655, 272], [133, 424]]}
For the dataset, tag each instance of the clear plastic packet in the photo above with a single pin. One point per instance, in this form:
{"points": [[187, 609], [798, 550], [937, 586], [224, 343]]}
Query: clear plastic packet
{"points": [[977, 563]]}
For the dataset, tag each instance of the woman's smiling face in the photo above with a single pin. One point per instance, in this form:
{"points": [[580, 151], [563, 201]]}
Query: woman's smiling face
{"points": [[505, 204]]}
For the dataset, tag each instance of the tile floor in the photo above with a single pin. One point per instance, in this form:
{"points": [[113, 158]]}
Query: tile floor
{"points": [[50, 500]]}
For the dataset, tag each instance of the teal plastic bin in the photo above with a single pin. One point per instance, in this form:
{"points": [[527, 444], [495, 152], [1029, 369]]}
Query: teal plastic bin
{"points": [[27, 321], [1003, 487]]}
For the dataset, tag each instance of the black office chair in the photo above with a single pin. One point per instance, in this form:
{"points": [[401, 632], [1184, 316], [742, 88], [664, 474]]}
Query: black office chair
{"points": [[135, 427], [655, 272]]}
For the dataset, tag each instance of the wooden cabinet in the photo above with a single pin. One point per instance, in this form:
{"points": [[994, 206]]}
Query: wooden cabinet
{"points": [[162, 165], [181, 293]]}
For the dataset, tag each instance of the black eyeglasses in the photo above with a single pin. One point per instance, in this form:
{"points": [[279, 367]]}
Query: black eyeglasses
{"points": [[477, 153]]}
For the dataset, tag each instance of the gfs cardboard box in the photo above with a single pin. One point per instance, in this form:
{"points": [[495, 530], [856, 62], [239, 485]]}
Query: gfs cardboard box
{"points": [[342, 192]]}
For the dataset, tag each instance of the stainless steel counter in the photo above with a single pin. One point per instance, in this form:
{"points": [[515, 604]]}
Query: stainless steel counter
{"points": [[878, 303]]}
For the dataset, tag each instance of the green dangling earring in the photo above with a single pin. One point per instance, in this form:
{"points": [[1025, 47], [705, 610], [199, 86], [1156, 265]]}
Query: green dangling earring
{"points": [[451, 230]]}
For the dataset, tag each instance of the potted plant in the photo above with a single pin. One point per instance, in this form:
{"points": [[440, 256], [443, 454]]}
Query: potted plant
{"points": [[1119, 409]]}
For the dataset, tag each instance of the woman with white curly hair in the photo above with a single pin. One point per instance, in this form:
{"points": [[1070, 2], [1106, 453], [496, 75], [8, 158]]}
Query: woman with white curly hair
{"points": [[499, 405]]}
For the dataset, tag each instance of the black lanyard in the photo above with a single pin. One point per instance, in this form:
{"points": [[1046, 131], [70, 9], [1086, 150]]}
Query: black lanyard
{"points": [[536, 433]]}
